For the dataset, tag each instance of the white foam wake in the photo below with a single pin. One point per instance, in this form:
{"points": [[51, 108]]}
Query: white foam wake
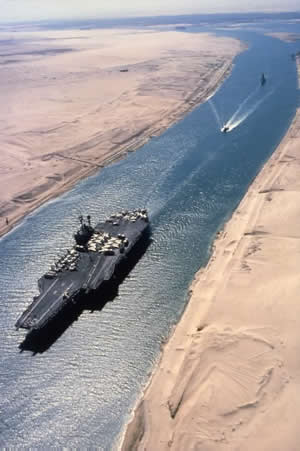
{"points": [[237, 119], [242, 105], [216, 114]]}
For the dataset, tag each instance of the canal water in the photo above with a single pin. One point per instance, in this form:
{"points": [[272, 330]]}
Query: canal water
{"points": [[78, 389]]}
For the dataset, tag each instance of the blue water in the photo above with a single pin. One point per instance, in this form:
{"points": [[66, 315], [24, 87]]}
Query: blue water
{"points": [[80, 391]]}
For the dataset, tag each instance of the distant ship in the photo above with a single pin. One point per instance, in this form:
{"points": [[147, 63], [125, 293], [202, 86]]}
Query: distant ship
{"points": [[87, 266], [263, 79]]}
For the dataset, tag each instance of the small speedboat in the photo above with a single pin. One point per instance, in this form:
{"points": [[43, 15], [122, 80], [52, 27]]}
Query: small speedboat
{"points": [[225, 129]]}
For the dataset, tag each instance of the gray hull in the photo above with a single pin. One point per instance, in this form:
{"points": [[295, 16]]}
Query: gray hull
{"points": [[95, 265]]}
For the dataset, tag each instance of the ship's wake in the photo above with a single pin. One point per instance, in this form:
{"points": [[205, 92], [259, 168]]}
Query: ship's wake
{"points": [[164, 190], [216, 114], [246, 109], [240, 116], [244, 105]]}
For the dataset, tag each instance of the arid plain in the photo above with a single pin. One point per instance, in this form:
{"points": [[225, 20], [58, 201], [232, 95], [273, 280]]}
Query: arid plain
{"points": [[72, 101]]}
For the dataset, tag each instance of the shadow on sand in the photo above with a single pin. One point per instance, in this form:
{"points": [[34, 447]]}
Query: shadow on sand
{"points": [[39, 341]]}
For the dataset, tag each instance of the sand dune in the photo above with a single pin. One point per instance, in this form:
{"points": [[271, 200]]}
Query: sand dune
{"points": [[68, 107], [229, 377]]}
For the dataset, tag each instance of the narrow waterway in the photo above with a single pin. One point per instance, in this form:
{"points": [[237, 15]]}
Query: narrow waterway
{"points": [[79, 391]]}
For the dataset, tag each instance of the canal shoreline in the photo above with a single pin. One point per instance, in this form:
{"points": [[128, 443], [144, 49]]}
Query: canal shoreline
{"points": [[242, 304], [74, 163], [196, 99]]}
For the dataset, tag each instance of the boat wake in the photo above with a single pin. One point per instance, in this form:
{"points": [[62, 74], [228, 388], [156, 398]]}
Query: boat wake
{"points": [[216, 114], [246, 109], [240, 116], [243, 105]]}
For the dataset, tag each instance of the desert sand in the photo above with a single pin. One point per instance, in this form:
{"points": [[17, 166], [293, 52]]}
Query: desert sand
{"points": [[73, 101], [229, 377], [286, 37]]}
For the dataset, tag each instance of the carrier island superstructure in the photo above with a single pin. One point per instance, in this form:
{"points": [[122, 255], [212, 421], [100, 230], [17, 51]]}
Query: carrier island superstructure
{"points": [[91, 262]]}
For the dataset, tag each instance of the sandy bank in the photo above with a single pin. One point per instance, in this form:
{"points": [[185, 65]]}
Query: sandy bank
{"points": [[73, 101], [229, 377], [286, 37]]}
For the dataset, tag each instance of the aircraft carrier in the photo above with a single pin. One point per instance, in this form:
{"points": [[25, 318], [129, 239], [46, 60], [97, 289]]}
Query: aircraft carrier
{"points": [[91, 262]]}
